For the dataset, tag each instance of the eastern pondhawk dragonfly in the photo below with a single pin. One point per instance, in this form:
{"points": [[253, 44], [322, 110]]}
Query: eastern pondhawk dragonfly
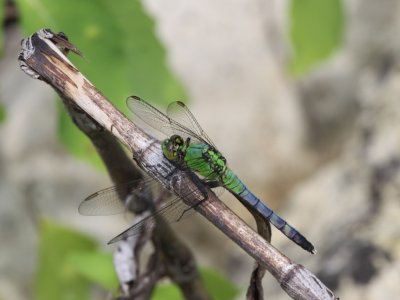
{"points": [[189, 148]]}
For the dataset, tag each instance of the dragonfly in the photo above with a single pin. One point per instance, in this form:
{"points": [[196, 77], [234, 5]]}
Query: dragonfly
{"points": [[188, 147]]}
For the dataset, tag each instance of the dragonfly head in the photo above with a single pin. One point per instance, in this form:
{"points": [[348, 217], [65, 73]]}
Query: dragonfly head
{"points": [[174, 148]]}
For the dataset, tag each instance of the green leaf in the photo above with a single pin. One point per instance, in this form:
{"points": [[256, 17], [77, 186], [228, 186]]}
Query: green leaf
{"points": [[166, 291], [218, 286], [123, 54], [316, 30], [96, 267], [2, 113], [55, 277]]}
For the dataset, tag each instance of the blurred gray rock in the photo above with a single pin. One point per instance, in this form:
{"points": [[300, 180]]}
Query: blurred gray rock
{"points": [[351, 207]]}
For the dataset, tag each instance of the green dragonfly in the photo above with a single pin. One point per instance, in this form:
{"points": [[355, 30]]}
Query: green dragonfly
{"points": [[189, 148]]}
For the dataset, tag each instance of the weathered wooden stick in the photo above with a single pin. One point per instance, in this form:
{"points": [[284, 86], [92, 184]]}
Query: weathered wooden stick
{"points": [[42, 58]]}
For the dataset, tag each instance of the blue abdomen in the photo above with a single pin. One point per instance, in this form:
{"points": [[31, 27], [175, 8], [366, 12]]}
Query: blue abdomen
{"points": [[234, 185]]}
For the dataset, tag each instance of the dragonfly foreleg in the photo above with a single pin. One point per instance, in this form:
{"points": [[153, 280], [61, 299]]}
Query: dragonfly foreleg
{"points": [[181, 216], [190, 208]]}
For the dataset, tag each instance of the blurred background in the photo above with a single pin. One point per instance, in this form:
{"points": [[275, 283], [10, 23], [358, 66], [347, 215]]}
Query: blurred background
{"points": [[301, 96]]}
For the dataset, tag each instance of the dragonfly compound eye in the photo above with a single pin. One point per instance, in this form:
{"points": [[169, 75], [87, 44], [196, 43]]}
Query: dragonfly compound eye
{"points": [[168, 149], [178, 140]]}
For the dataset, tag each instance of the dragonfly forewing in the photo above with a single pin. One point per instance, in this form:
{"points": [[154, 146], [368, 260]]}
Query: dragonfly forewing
{"points": [[150, 115], [133, 196], [179, 121], [149, 191], [188, 124]]}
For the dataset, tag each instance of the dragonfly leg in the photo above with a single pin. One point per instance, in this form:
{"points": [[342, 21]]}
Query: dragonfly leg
{"points": [[190, 208], [181, 216]]}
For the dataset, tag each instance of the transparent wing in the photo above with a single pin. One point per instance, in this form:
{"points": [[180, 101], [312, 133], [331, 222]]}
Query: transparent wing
{"points": [[108, 201], [173, 210], [181, 114], [150, 115], [161, 122]]}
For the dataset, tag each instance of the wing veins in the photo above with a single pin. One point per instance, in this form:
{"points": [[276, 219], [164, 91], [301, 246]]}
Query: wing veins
{"points": [[163, 123], [108, 202], [176, 205]]}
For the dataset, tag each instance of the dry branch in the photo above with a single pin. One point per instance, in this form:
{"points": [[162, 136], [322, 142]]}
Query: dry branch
{"points": [[42, 59]]}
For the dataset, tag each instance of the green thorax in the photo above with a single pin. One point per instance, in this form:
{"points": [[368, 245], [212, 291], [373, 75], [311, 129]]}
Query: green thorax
{"points": [[206, 161], [209, 163], [203, 159], [199, 157]]}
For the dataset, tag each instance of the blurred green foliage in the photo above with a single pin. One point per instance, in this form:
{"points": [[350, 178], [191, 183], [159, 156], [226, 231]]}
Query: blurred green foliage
{"points": [[70, 263], [56, 277], [123, 54], [95, 266], [2, 113], [316, 30], [218, 286]]}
